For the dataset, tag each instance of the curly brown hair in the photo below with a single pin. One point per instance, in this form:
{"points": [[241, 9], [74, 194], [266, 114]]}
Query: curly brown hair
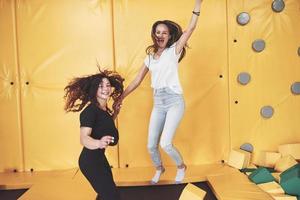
{"points": [[83, 90], [175, 31]]}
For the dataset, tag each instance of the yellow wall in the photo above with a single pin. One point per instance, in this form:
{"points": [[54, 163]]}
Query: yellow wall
{"points": [[272, 71], [46, 43], [10, 129]]}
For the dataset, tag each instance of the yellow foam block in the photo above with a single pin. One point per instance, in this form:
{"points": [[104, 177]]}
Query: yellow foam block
{"points": [[290, 149], [283, 197], [271, 187], [267, 159], [276, 175], [236, 186], [60, 189], [192, 192], [284, 163], [239, 158]]}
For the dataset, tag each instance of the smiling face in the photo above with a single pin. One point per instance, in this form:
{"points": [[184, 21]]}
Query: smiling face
{"points": [[104, 90], [162, 35]]}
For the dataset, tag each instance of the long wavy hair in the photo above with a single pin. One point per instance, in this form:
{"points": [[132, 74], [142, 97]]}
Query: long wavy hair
{"points": [[83, 90], [175, 31]]}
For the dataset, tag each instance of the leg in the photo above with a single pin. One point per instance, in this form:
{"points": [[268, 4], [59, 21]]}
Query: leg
{"points": [[174, 116], [156, 123], [100, 177], [157, 120]]}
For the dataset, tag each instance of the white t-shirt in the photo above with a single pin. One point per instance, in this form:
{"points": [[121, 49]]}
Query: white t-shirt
{"points": [[164, 71]]}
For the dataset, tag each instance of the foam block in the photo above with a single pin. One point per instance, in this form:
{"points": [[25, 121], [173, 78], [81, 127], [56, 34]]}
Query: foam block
{"points": [[283, 197], [290, 172], [236, 186], [271, 187], [290, 149], [284, 163], [290, 180], [267, 159], [276, 175], [192, 192], [261, 175], [251, 168], [291, 186], [239, 158], [248, 173]]}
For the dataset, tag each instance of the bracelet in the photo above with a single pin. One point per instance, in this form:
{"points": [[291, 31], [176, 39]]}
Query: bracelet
{"points": [[196, 13]]}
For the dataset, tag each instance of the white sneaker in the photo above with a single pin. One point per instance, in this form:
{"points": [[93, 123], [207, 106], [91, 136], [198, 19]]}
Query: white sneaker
{"points": [[180, 174], [157, 175]]}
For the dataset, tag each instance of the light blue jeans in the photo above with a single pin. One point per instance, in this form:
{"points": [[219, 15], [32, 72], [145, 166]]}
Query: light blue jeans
{"points": [[166, 115]]}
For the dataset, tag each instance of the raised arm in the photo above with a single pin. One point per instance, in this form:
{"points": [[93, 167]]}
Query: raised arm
{"points": [[136, 82], [191, 27]]}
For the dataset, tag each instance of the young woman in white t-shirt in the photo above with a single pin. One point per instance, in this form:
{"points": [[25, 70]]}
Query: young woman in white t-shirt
{"points": [[162, 60]]}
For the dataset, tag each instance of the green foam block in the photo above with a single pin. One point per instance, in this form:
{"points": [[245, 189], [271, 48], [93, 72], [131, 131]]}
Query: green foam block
{"points": [[290, 172], [261, 175], [290, 180]]}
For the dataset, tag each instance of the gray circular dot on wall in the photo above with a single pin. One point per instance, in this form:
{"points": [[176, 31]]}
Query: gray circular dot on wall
{"points": [[243, 18], [296, 88], [278, 5], [244, 78], [267, 111], [258, 45]]}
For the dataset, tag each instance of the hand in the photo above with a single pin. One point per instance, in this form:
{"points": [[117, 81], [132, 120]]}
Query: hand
{"points": [[105, 141], [116, 108]]}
